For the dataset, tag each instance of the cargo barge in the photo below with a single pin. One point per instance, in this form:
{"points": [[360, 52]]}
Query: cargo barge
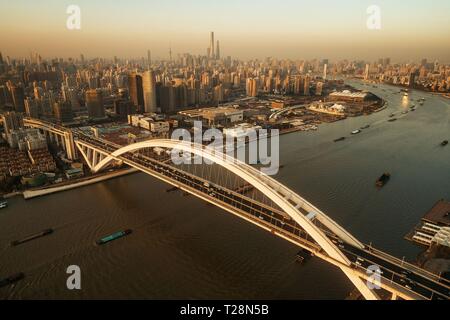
{"points": [[32, 237], [339, 139], [113, 237]]}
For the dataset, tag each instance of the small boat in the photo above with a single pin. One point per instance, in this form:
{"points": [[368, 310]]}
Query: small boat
{"points": [[444, 143], [356, 132], [113, 237], [3, 204], [392, 115], [173, 189], [339, 139], [11, 279], [404, 112], [383, 180], [303, 256], [392, 120], [367, 126]]}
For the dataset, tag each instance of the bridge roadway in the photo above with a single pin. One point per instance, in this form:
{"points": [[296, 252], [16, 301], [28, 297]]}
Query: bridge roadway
{"points": [[394, 272]]}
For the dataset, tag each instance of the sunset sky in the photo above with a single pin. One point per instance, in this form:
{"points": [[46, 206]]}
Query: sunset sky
{"points": [[293, 29]]}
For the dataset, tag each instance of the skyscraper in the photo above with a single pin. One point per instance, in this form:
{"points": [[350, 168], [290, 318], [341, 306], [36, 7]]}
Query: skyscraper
{"points": [[325, 69], [218, 51], [136, 91], [367, 72], [31, 108], [211, 46], [62, 112], [307, 85], [18, 97], [149, 89], [94, 103], [12, 121], [252, 87]]}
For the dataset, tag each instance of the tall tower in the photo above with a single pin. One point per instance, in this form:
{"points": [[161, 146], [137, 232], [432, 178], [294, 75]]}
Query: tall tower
{"points": [[149, 88], [325, 69], [212, 52], [218, 51]]}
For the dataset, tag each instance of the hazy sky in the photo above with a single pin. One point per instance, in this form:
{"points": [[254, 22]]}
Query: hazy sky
{"points": [[335, 29]]}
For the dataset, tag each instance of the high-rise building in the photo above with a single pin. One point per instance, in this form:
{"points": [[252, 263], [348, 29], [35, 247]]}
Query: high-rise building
{"points": [[2, 64], [12, 121], [32, 108], [211, 46], [149, 89], [167, 95], [62, 112], [218, 94], [367, 72], [252, 87], [307, 85], [18, 97], [123, 107], [325, 70], [218, 51], [3, 95], [412, 79], [94, 103], [136, 91]]}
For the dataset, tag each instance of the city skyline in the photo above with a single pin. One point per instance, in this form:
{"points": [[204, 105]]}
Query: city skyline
{"points": [[302, 30]]}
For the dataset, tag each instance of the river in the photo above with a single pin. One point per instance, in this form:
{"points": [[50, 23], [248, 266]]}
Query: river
{"points": [[182, 248]]}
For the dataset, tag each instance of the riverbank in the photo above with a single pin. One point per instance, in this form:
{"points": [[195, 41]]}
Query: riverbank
{"points": [[402, 86], [29, 194], [12, 194]]}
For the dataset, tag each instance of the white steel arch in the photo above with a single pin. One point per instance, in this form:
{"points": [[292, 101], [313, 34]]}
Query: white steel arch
{"points": [[285, 198]]}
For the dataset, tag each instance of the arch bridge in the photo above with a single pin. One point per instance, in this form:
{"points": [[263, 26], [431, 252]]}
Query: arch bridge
{"points": [[247, 193], [261, 200]]}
